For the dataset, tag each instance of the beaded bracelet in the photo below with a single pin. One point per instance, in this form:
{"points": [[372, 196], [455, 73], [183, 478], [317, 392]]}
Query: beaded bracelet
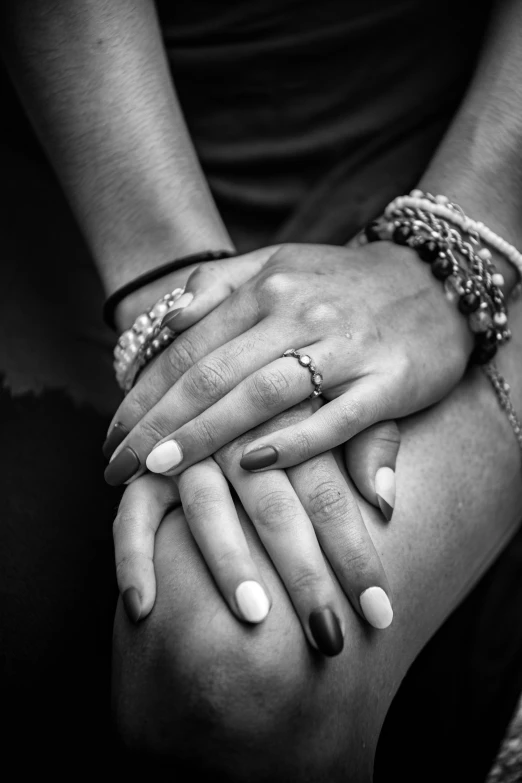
{"points": [[421, 221], [441, 206], [144, 340], [465, 268]]}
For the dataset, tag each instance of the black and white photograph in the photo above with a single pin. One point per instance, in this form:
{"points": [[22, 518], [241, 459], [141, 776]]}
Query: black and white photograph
{"points": [[261, 391]]}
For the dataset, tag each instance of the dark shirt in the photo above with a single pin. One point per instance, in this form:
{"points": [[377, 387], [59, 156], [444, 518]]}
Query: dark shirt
{"points": [[299, 109]]}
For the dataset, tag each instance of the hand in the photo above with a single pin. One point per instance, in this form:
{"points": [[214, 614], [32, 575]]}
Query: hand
{"points": [[374, 321], [291, 515]]}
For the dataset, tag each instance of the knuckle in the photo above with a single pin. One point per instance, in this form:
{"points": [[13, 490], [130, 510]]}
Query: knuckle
{"points": [[357, 555], [204, 432], [123, 521], [350, 414], [179, 357], [275, 511], [321, 314], [131, 561], [202, 503], [302, 444], [305, 580], [275, 285], [327, 503], [211, 379], [269, 389], [153, 428]]}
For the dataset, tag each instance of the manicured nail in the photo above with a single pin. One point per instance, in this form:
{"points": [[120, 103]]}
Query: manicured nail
{"points": [[122, 467], [259, 458], [376, 607], [326, 630], [252, 601], [132, 603], [182, 302], [385, 491], [117, 435], [165, 457]]}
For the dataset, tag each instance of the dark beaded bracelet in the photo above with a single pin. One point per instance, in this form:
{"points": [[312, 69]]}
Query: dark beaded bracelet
{"points": [[443, 267], [112, 302]]}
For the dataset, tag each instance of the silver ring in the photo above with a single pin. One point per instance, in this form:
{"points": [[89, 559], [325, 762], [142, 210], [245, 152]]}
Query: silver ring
{"points": [[307, 361]]}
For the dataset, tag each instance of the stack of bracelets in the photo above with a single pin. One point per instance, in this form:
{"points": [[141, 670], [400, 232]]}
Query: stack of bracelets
{"points": [[456, 249], [146, 338]]}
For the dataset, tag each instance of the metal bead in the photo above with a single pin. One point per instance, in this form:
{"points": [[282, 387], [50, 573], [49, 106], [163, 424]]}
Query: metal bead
{"points": [[305, 360]]}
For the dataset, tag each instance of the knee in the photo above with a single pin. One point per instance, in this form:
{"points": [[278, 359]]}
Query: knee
{"points": [[193, 684]]}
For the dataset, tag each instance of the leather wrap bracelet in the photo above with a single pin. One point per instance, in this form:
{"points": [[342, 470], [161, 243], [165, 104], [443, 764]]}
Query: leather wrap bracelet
{"points": [[112, 302]]}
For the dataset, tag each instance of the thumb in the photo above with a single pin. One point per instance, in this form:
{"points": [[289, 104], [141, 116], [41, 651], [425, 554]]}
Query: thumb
{"points": [[370, 459], [211, 283]]}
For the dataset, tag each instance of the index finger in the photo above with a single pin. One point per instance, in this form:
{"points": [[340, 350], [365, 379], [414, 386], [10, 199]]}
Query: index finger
{"points": [[230, 319]]}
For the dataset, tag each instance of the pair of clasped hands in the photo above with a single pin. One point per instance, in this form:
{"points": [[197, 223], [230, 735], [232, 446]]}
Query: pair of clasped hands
{"points": [[221, 406]]}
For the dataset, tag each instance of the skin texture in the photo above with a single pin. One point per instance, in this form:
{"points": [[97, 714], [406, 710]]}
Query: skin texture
{"points": [[256, 704]]}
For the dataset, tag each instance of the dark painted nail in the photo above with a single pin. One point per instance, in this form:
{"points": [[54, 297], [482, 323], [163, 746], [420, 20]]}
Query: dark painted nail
{"points": [[117, 435], [260, 458], [132, 603], [385, 507], [326, 630], [122, 467]]}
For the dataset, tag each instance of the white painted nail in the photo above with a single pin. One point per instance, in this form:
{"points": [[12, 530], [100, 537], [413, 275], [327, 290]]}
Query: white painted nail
{"points": [[252, 601], [385, 491], [164, 457], [182, 302], [376, 607]]}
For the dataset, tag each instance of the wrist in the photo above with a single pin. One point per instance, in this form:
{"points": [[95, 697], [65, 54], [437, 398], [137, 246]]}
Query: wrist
{"points": [[481, 202]]}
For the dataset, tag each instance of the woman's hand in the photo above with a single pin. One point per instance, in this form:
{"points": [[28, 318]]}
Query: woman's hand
{"points": [[295, 515], [375, 323]]}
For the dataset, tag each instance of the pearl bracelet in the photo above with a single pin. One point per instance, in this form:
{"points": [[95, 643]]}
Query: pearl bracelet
{"points": [[144, 340]]}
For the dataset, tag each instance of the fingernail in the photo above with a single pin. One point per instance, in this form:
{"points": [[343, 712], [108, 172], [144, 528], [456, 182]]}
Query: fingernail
{"points": [[182, 302], [385, 491], [259, 458], [376, 607], [132, 603], [122, 468], [117, 435], [252, 601], [326, 630], [165, 457]]}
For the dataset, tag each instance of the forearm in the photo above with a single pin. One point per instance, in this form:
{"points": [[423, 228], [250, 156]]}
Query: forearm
{"points": [[479, 163], [94, 79]]}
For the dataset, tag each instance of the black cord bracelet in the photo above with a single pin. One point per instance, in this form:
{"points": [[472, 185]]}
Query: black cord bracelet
{"points": [[112, 302]]}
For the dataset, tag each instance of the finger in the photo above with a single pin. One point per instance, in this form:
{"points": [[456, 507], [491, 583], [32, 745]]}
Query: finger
{"points": [[370, 459], [288, 536], [201, 386], [233, 317], [141, 510], [343, 536], [211, 283], [262, 395], [211, 516], [335, 423]]}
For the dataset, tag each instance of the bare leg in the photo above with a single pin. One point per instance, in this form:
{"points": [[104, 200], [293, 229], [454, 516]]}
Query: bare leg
{"points": [[256, 703]]}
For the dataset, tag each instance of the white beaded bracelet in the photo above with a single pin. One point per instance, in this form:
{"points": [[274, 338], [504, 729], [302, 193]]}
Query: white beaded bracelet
{"points": [[135, 345], [441, 207]]}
